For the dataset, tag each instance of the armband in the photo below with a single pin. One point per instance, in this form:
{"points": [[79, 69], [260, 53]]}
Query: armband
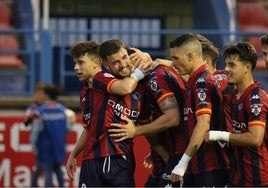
{"points": [[181, 167], [137, 74], [219, 135]]}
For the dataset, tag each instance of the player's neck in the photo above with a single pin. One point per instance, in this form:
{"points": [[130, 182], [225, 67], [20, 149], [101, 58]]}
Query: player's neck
{"points": [[243, 85]]}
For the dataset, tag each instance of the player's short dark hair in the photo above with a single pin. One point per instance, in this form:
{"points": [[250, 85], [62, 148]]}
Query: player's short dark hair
{"points": [[81, 48], [110, 47], [209, 50], [179, 41], [245, 52]]}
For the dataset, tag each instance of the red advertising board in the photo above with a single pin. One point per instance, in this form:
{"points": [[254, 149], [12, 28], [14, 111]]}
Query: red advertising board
{"points": [[17, 162]]}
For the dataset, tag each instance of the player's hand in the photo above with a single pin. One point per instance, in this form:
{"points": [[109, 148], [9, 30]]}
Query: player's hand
{"points": [[71, 167], [164, 62], [122, 131], [175, 178], [179, 170], [148, 161], [141, 60]]}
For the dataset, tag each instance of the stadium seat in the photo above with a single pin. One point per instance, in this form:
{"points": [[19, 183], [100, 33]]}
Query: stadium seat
{"points": [[10, 61], [247, 1], [255, 41], [5, 15], [9, 42], [5, 27], [252, 17], [260, 66]]}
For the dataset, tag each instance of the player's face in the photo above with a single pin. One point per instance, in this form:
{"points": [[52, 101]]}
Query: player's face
{"points": [[119, 64], [180, 61], [235, 70], [83, 66], [265, 55]]}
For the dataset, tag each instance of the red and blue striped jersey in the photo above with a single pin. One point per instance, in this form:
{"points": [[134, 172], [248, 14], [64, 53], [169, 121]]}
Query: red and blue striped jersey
{"points": [[163, 83], [86, 99], [203, 97], [250, 163], [150, 111], [221, 79], [100, 109]]}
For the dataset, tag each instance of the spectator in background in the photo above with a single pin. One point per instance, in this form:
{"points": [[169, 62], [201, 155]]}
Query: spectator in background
{"points": [[264, 44], [249, 108], [48, 136], [28, 119], [28, 116]]}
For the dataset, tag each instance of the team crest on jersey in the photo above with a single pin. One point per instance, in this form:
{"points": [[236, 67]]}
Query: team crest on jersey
{"points": [[108, 75], [201, 95], [219, 77], [153, 85], [256, 109]]}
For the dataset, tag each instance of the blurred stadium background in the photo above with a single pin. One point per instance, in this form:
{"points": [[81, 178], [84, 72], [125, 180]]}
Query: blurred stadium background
{"points": [[36, 35]]}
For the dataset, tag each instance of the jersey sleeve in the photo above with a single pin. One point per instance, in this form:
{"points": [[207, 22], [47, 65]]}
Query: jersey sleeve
{"points": [[158, 85], [257, 109], [103, 81], [203, 91]]}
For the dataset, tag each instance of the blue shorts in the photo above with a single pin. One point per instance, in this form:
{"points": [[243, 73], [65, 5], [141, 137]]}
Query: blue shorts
{"points": [[152, 181], [214, 178], [111, 171]]}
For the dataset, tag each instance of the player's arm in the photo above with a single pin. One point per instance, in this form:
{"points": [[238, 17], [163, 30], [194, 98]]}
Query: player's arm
{"points": [[254, 136], [71, 162], [169, 118], [198, 136], [80, 144], [126, 85], [153, 139], [168, 63], [164, 62]]}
